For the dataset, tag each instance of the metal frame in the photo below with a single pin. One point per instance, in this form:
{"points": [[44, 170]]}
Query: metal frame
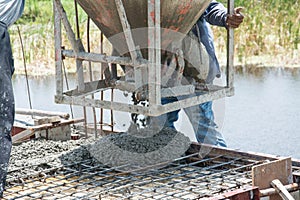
{"points": [[141, 67]]}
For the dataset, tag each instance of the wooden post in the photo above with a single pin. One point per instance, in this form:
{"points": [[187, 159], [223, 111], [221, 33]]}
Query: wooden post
{"points": [[281, 190]]}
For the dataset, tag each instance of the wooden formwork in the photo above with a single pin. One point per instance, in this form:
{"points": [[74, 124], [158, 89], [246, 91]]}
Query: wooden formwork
{"points": [[46, 124]]}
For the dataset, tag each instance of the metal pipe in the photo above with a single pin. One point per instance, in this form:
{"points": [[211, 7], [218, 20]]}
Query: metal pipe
{"points": [[157, 24], [132, 48], [155, 110], [154, 53], [58, 53], [230, 49], [151, 52], [94, 57], [271, 191], [76, 44]]}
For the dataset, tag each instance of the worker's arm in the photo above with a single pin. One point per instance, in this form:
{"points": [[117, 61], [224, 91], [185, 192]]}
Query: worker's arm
{"points": [[11, 10], [216, 14]]}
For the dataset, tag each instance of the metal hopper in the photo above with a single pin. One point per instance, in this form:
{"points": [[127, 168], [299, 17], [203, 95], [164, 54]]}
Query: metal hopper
{"points": [[131, 25], [176, 17]]}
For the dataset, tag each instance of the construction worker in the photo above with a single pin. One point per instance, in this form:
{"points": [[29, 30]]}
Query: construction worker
{"points": [[10, 11], [201, 116]]}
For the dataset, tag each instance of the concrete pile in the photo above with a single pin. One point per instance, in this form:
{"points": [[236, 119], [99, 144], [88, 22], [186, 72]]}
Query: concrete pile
{"points": [[142, 149]]}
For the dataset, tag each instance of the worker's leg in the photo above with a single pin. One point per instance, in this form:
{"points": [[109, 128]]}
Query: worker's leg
{"points": [[7, 109], [202, 119], [171, 117]]}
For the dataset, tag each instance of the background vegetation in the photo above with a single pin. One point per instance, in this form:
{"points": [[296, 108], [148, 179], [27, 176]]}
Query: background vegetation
{"points": [[269, 35]]}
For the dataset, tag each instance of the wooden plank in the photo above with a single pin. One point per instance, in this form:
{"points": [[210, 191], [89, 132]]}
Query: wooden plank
{"points": [[238, 194], [24, 111], [45, 120], [281, 190], [32, 129], [264, 174], [214, 150], [22, 135], [50, 125]]}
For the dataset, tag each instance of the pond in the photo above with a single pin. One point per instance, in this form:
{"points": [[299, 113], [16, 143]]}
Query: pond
{"points": [[263, 115]]}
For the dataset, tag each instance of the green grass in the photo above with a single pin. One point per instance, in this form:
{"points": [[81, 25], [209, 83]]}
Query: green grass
{"points": [[37, 31], [270, 31]]}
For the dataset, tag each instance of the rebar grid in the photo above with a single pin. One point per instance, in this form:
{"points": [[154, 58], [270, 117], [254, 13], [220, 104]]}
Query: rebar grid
{"points": [[185, 178]]}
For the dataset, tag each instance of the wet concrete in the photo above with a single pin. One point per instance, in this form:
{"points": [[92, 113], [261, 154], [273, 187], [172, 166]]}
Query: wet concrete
{"points": [[132, 152], [37, 155]]}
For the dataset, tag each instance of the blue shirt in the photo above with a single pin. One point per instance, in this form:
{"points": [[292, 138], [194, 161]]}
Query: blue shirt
{"points": [[11, 10], [215, 14]]}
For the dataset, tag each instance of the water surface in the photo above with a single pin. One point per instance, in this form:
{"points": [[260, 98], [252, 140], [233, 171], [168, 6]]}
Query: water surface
{"points": [[263, 115]]}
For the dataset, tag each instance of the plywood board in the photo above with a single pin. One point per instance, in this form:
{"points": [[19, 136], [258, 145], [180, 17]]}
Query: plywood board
{"points": [[264, 174]]}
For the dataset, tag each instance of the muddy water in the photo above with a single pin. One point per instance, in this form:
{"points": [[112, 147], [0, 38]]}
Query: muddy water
{"points": [[262, 116]]}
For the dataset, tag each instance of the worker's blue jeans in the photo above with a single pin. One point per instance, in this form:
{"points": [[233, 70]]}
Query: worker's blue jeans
{"points": [[202, 119], [7, 108]]}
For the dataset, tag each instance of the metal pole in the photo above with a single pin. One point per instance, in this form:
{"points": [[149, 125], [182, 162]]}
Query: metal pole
{"points": [[154, 67], [157, 53], [151, 53], [76, 44], [133, 50], [230, 49], [58, 55]]}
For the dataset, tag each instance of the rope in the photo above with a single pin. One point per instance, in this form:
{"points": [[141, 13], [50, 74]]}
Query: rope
{"points": [[67, 85], [25, 68], [101, 93], [76, 15], [78, 37], [91, 75]]}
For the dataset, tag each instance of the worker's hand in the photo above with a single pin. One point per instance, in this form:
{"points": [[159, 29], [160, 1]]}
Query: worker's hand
{"points": [[234, 20]]}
